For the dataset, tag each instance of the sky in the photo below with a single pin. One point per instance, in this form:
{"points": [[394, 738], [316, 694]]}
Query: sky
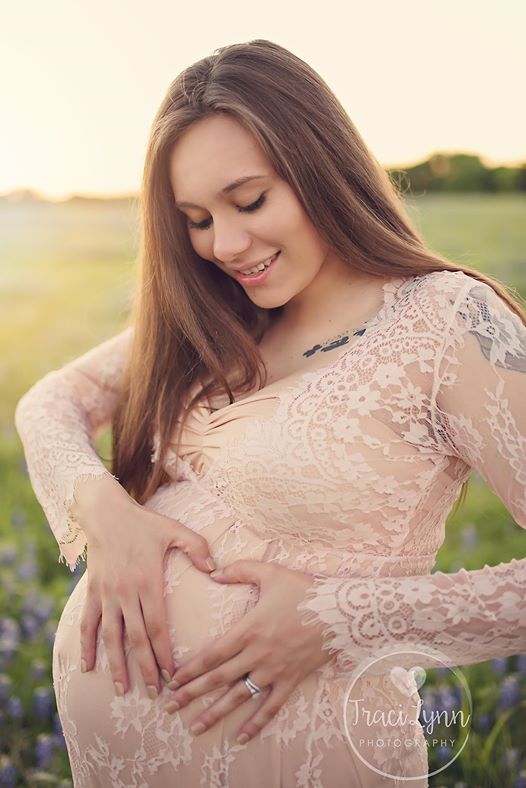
{"points": [[82, 81]]}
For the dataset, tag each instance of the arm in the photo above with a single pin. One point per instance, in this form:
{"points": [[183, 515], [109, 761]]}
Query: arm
{"points": [[478, 413], [57, 420]]}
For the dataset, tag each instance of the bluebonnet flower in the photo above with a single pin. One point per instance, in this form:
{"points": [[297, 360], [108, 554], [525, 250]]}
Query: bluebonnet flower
{"points": [[511, 759], [30, 624], [14, 708], [500, 665], [59, 741], [484, 723], [43, 703], [8, 772], [446, 701], [520, 782], [39, 668], [443, 754], [44, 750], [38, 605], [8, 553], [28, 569], [9, 627], [8, 649], [510, 692], [521, 663]]}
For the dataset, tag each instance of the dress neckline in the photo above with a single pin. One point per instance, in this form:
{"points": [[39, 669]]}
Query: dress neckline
{"points": [[390, 290]]}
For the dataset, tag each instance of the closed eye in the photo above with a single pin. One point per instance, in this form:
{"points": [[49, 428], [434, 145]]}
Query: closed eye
{"points": [[204, 225]]}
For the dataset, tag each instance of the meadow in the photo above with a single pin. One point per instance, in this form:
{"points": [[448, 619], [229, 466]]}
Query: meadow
{"points": [[66, 276]]}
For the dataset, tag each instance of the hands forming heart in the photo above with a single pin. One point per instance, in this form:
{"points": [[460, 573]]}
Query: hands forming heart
{"points": [[270, 644]]}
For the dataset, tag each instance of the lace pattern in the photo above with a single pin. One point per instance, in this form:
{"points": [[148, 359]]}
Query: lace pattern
{"points": [[57, 421], [349, 474]]}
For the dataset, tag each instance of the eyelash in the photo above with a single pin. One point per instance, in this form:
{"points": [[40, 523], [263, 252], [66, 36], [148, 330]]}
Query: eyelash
{"points": [[247, 209]]}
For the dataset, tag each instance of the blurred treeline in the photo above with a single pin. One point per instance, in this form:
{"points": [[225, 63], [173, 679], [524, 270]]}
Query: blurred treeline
{"points": [[442, 172], [459, 172]]}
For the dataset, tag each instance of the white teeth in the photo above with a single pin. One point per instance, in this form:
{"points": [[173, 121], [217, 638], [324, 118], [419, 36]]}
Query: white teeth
{"points": [[259, 267]]}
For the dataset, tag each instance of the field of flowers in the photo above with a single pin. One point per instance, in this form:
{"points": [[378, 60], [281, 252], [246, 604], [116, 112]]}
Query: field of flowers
{"points": [[65, 282]]}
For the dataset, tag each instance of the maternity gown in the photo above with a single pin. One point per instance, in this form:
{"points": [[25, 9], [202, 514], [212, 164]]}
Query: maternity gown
{"points": [[348, 472]]}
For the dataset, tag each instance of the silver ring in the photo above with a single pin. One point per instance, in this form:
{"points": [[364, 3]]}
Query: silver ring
{"points": [[254, 689]]}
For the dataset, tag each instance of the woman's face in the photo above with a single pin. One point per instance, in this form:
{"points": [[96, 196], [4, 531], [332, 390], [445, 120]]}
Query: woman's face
{"points": [[238, 228]]}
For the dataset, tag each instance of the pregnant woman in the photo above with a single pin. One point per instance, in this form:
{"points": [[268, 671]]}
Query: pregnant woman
{"points": [[301, 392]]}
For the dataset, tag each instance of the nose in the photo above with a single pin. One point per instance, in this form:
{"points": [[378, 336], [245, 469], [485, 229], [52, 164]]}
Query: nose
{"points": [[230, 242]]}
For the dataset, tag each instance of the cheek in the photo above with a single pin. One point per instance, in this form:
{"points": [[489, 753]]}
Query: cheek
{"points": [[291, 226], [201, 244], [286, 222]]}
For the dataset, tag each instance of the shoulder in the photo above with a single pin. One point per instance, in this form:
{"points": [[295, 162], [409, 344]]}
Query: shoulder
{"points": [[465, 307], [443, 286], [452, 292]]}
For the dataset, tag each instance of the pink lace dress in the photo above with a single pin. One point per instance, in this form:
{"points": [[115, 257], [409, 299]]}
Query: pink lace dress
{"points": [[348, 472]]}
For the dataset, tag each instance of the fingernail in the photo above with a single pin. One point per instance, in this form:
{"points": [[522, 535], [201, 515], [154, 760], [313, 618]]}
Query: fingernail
{"points": [[152, 690], [83, 666], [217, 573], [172, 706], [173, 684], [119, 689], [197, 728], [166, 676], [243, 738], [210, 564]]}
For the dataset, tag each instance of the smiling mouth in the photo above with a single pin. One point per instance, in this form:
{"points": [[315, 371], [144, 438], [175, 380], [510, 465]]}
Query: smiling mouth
{"points": [[258, 276]]}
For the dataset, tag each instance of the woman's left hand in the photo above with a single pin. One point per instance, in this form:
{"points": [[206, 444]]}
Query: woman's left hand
{"points": [[270, 643]]}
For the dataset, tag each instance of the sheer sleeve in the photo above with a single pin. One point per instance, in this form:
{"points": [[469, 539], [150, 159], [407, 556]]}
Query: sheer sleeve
{"points": [[57, 420], [477, 413]]}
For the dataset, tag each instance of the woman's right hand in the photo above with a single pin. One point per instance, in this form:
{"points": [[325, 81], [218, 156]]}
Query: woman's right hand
{"points": [[126, 548]]}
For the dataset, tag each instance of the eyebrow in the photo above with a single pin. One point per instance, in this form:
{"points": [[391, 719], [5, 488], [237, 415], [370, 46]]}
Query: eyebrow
{"points": [[226, 190]]}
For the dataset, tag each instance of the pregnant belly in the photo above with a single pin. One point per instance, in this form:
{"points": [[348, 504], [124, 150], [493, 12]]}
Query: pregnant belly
{"points": [[198, 610], [105, 732]]}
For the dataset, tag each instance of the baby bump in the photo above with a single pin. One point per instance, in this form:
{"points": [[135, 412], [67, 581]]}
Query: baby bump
{"points": [[110, 736], [197, 609], [132, 740]]}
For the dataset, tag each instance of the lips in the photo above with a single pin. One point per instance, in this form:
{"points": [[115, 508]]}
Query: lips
{"points": [[259, 278], [249, 267]]}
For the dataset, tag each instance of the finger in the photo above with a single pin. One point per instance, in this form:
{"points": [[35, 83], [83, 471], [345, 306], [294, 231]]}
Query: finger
{"points": [[155, 618], [273, 702], [89, 624], [225, 674], [192, 544], [140, 643], [219, 651], [112, 635], [233, 697]]}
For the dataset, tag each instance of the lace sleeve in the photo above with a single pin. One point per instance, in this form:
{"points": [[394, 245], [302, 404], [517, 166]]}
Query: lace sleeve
{"points": [[57, 420], [478, 413]]}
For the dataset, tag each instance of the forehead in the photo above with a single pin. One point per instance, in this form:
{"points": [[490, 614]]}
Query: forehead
{"points": [[212, 153]]}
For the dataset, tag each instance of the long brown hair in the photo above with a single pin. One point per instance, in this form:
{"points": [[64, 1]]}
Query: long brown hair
{"points": [[193, 322]]}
